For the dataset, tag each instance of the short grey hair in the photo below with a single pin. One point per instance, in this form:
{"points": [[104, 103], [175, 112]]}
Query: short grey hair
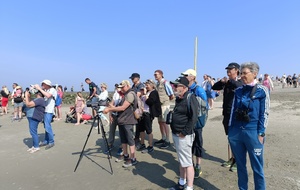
{"points": [[252, 66]]}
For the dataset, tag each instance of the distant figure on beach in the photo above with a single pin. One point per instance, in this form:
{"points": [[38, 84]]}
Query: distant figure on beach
{"points": [[267, 82], [65, 89], [81, 87], [72, 89], [283, 81]]}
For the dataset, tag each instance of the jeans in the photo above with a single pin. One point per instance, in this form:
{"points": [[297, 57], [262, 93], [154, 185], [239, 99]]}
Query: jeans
{"points": [[49, 137], [33, 126]]}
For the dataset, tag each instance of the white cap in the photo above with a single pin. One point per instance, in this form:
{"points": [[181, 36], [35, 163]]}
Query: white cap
{"points": [[47, 82], [190, 72]]}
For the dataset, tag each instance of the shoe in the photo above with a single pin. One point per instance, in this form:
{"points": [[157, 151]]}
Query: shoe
{"points": [[198, 172], [141, 147], [30, 149], [233, 168], [129, 163], [33, 150], [161, 141], [122, 158], [120, 152], [165, 145], [177, 187], [43, 144], [148, 150], [110, 147], [48, 146], [228, 163]]}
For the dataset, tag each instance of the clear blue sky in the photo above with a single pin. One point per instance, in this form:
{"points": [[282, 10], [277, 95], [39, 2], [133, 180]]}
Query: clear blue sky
{"points": [[68, 40]]}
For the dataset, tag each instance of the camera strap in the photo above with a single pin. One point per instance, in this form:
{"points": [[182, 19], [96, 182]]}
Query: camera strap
{"points": [[253, 92]]}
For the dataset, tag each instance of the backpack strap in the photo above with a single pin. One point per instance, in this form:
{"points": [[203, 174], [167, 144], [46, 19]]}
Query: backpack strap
{"points": [[253, 92]]}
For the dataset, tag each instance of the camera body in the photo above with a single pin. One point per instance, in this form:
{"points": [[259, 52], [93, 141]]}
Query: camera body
{"points": [[242, 115], [31, 89], [97, 104]]}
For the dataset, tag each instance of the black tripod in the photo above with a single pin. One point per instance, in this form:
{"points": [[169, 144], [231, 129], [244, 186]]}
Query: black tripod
{"points": [[99, 123]]}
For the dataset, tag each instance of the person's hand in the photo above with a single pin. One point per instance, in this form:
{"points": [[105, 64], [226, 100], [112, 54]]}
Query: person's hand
{"points": [[36, 86], [181, 135], [261, 139], [106, 110]]}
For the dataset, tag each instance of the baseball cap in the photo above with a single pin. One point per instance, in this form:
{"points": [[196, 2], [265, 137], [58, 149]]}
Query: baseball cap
{"points": [[232, 66], [124, 83], [190, 72], [181, 80], [134, 75], [47, 82]]}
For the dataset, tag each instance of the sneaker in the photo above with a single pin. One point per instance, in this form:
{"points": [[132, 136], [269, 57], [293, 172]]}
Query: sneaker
{"points": [[129, 163], [120, 152], [141, 147], [34, 150], [122, 158], [161, 141], [148, 150], [30, 149], [43, 144], [233, 168], [177, 187], [228, 163], [198, 172], [48, 146], [110, 147], [165, 145]]}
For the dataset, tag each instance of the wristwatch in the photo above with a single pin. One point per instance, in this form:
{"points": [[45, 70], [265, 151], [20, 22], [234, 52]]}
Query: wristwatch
{"points": [[261, 134]]}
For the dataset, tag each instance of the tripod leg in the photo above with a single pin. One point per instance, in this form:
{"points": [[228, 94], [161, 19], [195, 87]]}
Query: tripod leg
{"points": [[106, 143], [81, 154]]}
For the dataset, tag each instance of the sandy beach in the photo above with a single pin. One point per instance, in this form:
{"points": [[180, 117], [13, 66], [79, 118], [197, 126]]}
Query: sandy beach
{"points": [[53, 169]]}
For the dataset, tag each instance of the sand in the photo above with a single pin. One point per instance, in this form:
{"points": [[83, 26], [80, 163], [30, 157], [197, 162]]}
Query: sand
{"points": [[54, 168]]}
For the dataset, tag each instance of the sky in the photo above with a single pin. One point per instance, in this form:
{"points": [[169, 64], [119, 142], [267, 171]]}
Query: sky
{"points": [[67, 41]]}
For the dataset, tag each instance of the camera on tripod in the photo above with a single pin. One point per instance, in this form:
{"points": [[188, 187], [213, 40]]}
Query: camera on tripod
{"points": [[242, 115], [96, 105]]}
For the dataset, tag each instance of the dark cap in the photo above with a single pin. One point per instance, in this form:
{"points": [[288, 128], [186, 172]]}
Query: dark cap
{"points": [[134, 75], [233, 66], [181, 80]]}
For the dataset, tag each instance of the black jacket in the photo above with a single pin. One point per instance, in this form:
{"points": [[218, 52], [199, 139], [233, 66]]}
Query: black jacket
{"points": [[184, 120], [228, 95], [154, 104]]}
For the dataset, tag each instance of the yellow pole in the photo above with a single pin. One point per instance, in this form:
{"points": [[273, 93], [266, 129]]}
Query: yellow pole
{"points": [[196, 54]]}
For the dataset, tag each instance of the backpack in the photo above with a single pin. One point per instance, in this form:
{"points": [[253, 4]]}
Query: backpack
{"points": [[58, 100], [202, 110], [98, 91]]}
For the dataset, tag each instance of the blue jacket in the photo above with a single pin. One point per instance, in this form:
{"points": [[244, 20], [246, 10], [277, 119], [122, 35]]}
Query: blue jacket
{"points": [[257, 108], [199, 91]]}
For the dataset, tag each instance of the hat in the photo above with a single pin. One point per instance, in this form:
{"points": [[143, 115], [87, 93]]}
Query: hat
{"points": [[233, 65], [149, 81], [190, 72], [47, 82], [134, 75], [181, 80], [17, 87], [124, 83]]}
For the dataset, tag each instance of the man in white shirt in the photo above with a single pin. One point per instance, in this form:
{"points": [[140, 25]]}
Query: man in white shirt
{"points": [[49, 94]]}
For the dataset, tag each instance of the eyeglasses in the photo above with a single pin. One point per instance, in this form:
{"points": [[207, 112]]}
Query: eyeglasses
{"points": [[245, 73]]}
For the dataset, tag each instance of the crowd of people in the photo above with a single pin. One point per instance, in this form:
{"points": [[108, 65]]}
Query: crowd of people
{"points": [[134, 107]]}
